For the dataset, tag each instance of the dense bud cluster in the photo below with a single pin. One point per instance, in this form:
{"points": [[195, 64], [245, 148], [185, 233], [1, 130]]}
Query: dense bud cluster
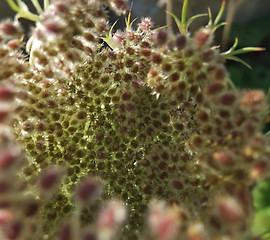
{"points": [[149, 122]]}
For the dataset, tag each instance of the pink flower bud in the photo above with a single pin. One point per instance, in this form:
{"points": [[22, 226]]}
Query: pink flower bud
{"points": [[230, 210], [5, 216], [164, 221], [223, 158], [202, 37], [110, 219], [145, 24]]}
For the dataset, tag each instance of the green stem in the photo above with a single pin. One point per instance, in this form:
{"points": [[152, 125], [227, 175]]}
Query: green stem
{"points": [[184, 15], [46, 4], [37, 6]]}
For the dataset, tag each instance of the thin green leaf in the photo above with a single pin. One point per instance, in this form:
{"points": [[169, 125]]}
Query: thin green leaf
{"points": [[127, 19], [215, 25], [210, 22], [108, 40], [184, 13], [22, 10], [27, 15], [46, 4], [13, 5], [232, 48], [37, 6], [246, 50], [160, 28], [178, 22], [110, 32], [220, 13], [190, 20], [237, 59], [221, 25], [23, 6]]}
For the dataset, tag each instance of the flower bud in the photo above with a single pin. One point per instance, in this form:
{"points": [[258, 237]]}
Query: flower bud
{"points": [[5, 216], [50, 180], [180, 42], [161, 37], [110, 219], [223, 158], [9, 28], [202, 37], [6, 94], [7, 159], [88, 190], [230, 210], [164, 221]]}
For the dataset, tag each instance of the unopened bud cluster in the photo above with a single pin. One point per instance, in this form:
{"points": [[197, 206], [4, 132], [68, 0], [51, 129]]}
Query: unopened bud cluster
{"points": [[143, 140]]}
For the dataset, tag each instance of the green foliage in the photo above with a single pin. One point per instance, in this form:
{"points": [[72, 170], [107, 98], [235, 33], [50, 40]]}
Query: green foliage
{"points": [[261, 195]]}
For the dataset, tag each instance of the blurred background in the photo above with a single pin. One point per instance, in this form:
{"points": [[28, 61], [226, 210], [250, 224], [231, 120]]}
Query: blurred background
{"points": [[250, 23]]}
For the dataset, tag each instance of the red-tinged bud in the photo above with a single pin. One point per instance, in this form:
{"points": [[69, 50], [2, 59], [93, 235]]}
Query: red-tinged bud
{"points": [[7, 159], [6, 94], [230, 210], [14, 44], [61, 7], [146, 52], [53, 27], [14, 230], [88, 234], [88, 190], [208, 55], [4, 186], [259, 170], [228, 99], [110, 219], [126, 96], [3, 115], [50, 180], [145, 24], [161, 37], [5, 216], [215, 88], [164, 221], [9, 28], [202, 37], [253, 99], [65, 232], [180, 42], [157, 58], [31, 208], [119, 5], [118, 37], [223, 158], [218, 73]]}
